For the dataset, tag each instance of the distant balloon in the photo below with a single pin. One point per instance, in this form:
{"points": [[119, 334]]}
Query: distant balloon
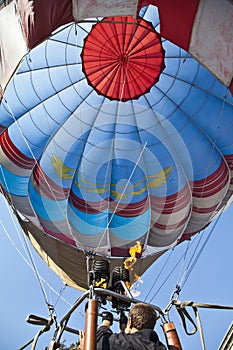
{"points": [[112, 135]]}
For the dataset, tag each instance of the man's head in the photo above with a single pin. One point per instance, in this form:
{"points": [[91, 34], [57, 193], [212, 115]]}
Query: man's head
{"points": [[142, 316], [107, 316]]}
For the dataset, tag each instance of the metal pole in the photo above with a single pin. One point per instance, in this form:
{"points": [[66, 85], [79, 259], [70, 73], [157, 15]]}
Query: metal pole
{"points": [[91, 324], [172, 338]]}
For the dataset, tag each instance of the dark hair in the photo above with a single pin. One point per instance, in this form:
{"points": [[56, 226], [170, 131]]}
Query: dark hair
{"points": [[106, 315], [143, 316]]}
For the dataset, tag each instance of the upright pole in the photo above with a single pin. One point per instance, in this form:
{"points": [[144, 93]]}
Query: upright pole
{"points": [[90, 325], [172, 338]]}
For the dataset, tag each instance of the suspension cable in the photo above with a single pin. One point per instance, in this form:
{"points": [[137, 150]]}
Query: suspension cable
{"points": [[193, 264], [31, 266]]}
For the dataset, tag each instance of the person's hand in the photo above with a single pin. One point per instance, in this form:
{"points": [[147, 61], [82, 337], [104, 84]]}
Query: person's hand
{"points": [[81, 340], [127, 330]]}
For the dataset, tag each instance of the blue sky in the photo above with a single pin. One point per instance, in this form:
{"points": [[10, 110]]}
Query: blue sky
{"points": [[210, 281]]}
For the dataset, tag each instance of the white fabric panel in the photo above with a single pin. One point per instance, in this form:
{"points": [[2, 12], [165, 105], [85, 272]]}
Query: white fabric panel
{"points": [[25, 208], [12, 43], [101, 8], [208, 202], [212, 38], [173, 219]]}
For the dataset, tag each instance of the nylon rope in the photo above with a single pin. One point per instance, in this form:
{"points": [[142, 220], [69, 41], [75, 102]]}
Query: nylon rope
{"points": [[149, 200], [202, 131], [106, 230], [111, 155], [28, 263], [183, 313], [31, 264], [165, 132], [191, 266], [83, 141], [127, 183], [168, 140], [105, 233], [170, 273], [188, 270], [167, 136], [158, 276], [93, 250]]}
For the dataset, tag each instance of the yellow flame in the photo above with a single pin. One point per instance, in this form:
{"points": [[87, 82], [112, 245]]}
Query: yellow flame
{"points": [[129, 262], [137, 248], [128, 284], [102, 283]]}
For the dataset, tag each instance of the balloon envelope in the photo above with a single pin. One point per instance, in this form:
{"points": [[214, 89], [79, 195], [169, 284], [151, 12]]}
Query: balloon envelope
{"points": [[106, 145]]}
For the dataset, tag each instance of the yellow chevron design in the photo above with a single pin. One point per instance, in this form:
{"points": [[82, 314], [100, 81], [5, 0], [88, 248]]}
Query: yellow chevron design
{"points": [[153, 181]]}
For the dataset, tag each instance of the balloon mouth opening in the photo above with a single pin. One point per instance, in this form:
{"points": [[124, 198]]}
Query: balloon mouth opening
{"points": [[122, 57]]}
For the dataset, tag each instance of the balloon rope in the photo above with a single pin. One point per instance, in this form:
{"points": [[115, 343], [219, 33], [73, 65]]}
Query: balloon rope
{"points": [[127, 67], [30, 265], [191, 266], [23, 242], [171, 271], [166, 278], [196, 255], [30, 257], [128, 181], [157, 277]]}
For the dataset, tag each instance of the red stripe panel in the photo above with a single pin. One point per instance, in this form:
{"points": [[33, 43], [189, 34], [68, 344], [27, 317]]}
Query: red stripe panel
{"points": [[2, 128], [186, 237], [205, 210], [130, 210], [88, 207], [212, 184], [231, 87], [60, 237], [115, 251], [47, 187], [123, 252], [121, 209], [229, 160], [173, 203], [176, 19], [168, 205], [41, 17], [174, 226], [162, 205], [14, 154]]}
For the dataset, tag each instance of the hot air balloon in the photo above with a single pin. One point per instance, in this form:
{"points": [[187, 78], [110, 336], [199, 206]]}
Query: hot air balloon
{"points": [[116, 130]]}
